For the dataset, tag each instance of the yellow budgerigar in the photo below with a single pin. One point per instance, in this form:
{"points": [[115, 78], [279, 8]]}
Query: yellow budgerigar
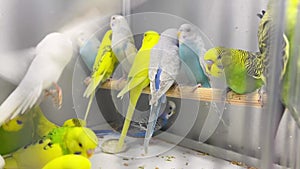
{"points": [[69, 161], [103, 68], [59, 142], [23, 130], [137, 79]]}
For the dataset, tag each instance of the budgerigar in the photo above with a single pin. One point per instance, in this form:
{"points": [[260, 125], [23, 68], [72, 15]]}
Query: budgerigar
{"points": [[243, 69], [24, 129], [163, 69], [137, 79], [103, 68], [290, 81], [122, 41], [88, 51], [266, 34], [138, 128], [69, 161], [53, 53], [191, 52], [60, 141]]}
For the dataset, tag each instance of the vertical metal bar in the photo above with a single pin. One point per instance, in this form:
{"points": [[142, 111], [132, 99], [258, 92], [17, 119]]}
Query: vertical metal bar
{"points": [[294, 71], [126, 9], [273, 88]]}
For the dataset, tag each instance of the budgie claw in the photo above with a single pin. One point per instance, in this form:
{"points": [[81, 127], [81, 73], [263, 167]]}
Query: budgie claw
{"points": [[227, 90], [56, 95], [260, 98], [87, 80], [196, 87]]}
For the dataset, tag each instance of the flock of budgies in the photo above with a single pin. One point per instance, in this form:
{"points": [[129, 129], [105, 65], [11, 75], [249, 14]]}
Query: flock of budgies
{"points": [[156, 64]]}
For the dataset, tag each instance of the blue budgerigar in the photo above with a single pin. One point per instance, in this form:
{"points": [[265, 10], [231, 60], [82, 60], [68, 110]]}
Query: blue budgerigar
{"points": [[88, 51], [191, 52], [138, 128], [163, 70]]}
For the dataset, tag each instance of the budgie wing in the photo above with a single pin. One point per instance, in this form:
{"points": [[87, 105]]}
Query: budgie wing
{"points": [[134, 82]]}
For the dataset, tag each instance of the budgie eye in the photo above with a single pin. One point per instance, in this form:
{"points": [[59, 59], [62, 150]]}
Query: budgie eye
{"points": [[113, 18], [80, 145], [170, 108], [219, 57]]}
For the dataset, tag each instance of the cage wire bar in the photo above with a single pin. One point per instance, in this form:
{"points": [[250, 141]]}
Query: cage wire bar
{"points": [[271, 115]]}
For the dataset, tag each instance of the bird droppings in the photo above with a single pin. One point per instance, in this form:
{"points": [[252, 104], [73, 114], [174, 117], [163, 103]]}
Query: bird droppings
{"points": [[141, 167], [238, 163], [126, 164], [168, 158], [202, 154], [126, 159]]}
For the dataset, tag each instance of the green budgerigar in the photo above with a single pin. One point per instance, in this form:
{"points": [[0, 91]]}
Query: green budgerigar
{"points": [[60, 141], [243, 69], [290, 82], [103, 68], [137, 79], [24, 129], [266, 36]]}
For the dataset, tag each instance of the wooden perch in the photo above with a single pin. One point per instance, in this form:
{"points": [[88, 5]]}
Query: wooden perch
{"points": [[201, 94]]}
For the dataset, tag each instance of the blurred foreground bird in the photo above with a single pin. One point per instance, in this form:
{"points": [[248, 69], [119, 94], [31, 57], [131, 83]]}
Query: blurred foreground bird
{"points": [[69, 161], [60, 141], [137, 79], [53, 53], [24, 129]]}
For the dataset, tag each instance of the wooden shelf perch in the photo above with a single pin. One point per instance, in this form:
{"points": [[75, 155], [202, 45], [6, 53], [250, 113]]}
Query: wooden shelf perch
{"points": [[201, 94]]}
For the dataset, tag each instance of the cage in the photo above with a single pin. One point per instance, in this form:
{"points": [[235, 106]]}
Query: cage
{"points": [[257, 129]]}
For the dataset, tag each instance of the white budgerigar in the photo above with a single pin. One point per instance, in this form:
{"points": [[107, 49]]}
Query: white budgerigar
{"points": [[163, 69], [122, 42], [164, 64], [53, 53]]}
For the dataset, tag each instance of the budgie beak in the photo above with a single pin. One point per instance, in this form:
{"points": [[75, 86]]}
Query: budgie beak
{"points": [[90, 152], [209, 63]]}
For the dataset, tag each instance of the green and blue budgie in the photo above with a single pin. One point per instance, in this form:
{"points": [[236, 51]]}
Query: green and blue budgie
{"points": [[137, 79], [59, 142], [191, 53], [122, 42], [103, 68], [53, 53], [243, 69], [163, 69]]}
